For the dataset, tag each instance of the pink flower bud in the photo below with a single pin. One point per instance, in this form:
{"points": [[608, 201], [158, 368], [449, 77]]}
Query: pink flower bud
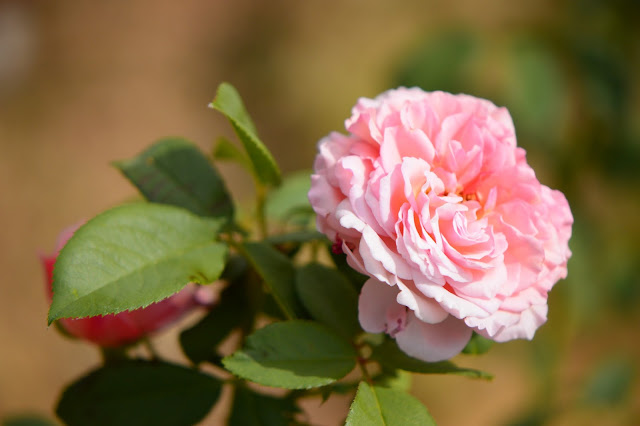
{"points": [[129, 326]]}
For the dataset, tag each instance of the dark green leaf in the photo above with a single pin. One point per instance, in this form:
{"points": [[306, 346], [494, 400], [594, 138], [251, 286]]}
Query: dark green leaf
{"points": [[290, 243], [297, 237], [329, 298], [131, 256], [199, 342], [279, 273], [139, 393], [254, 409], [477, 345], [229, 103], [341, 388], [27, 420], [375, 406], [391, 357], [290, 196], [174, 171], [293, 355], [271, 308]]}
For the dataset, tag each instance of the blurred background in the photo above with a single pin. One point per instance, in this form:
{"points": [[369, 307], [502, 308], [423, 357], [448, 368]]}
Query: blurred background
{"points": [[83, 83]]}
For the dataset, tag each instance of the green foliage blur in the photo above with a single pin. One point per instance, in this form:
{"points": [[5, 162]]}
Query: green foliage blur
{"points": [[570, 85]]}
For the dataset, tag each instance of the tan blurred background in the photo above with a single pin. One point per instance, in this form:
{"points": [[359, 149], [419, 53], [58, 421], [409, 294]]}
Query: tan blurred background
{"points": [[83, 83]]}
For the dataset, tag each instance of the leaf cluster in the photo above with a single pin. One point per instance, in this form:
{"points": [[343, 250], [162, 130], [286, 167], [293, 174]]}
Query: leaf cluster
{"points": [[287, 310]]}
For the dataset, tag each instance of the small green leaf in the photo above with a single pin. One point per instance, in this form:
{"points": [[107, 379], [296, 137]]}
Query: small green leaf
{"points": [[131, 256], [139, 393], [391, 357], [255, 409], [293, 355], [329, 298], [229, 103], [279, 273], [375, 406], [477, 345], [174, 171], [290, 197], [225, 150]]}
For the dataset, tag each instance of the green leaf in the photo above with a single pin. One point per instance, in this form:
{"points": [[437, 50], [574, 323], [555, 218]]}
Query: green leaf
{"points": [[174, 171], [27, 420], [131, 256], [477, 345], [375, 406], [255, 409], [391, 357], [399, 380], [199, 342], [296, 237], [232, 310], [225, 150], [229, 103], [329, 298], [139, 393], [293, 355], [290, 197], [279, 273], [290, 243]]}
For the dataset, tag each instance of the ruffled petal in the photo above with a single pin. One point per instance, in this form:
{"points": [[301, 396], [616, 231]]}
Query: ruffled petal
{"points": [[433, 342]]}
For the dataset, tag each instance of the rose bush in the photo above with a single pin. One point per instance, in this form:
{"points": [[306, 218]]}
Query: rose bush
{"points": [[431, 198], [126, 327]]}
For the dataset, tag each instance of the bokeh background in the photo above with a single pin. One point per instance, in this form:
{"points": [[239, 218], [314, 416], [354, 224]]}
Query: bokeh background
{"points": [[83, 83]]}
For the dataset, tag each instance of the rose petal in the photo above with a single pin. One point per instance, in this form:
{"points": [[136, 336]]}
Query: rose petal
{"points": [[377, 307], [433, 342]]}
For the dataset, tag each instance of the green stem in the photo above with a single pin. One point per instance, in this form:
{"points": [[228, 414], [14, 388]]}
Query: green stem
{"points": [[113, 354], [365, 373], [261, 196], [315, 250]]}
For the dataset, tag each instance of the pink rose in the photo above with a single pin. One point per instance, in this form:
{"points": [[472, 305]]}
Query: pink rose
{"points": [[130, 326], [431, 198]]}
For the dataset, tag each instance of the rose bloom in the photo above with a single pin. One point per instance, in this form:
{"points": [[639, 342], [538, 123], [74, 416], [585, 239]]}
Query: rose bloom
{"points": [[431, 198], [129, 326]]}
